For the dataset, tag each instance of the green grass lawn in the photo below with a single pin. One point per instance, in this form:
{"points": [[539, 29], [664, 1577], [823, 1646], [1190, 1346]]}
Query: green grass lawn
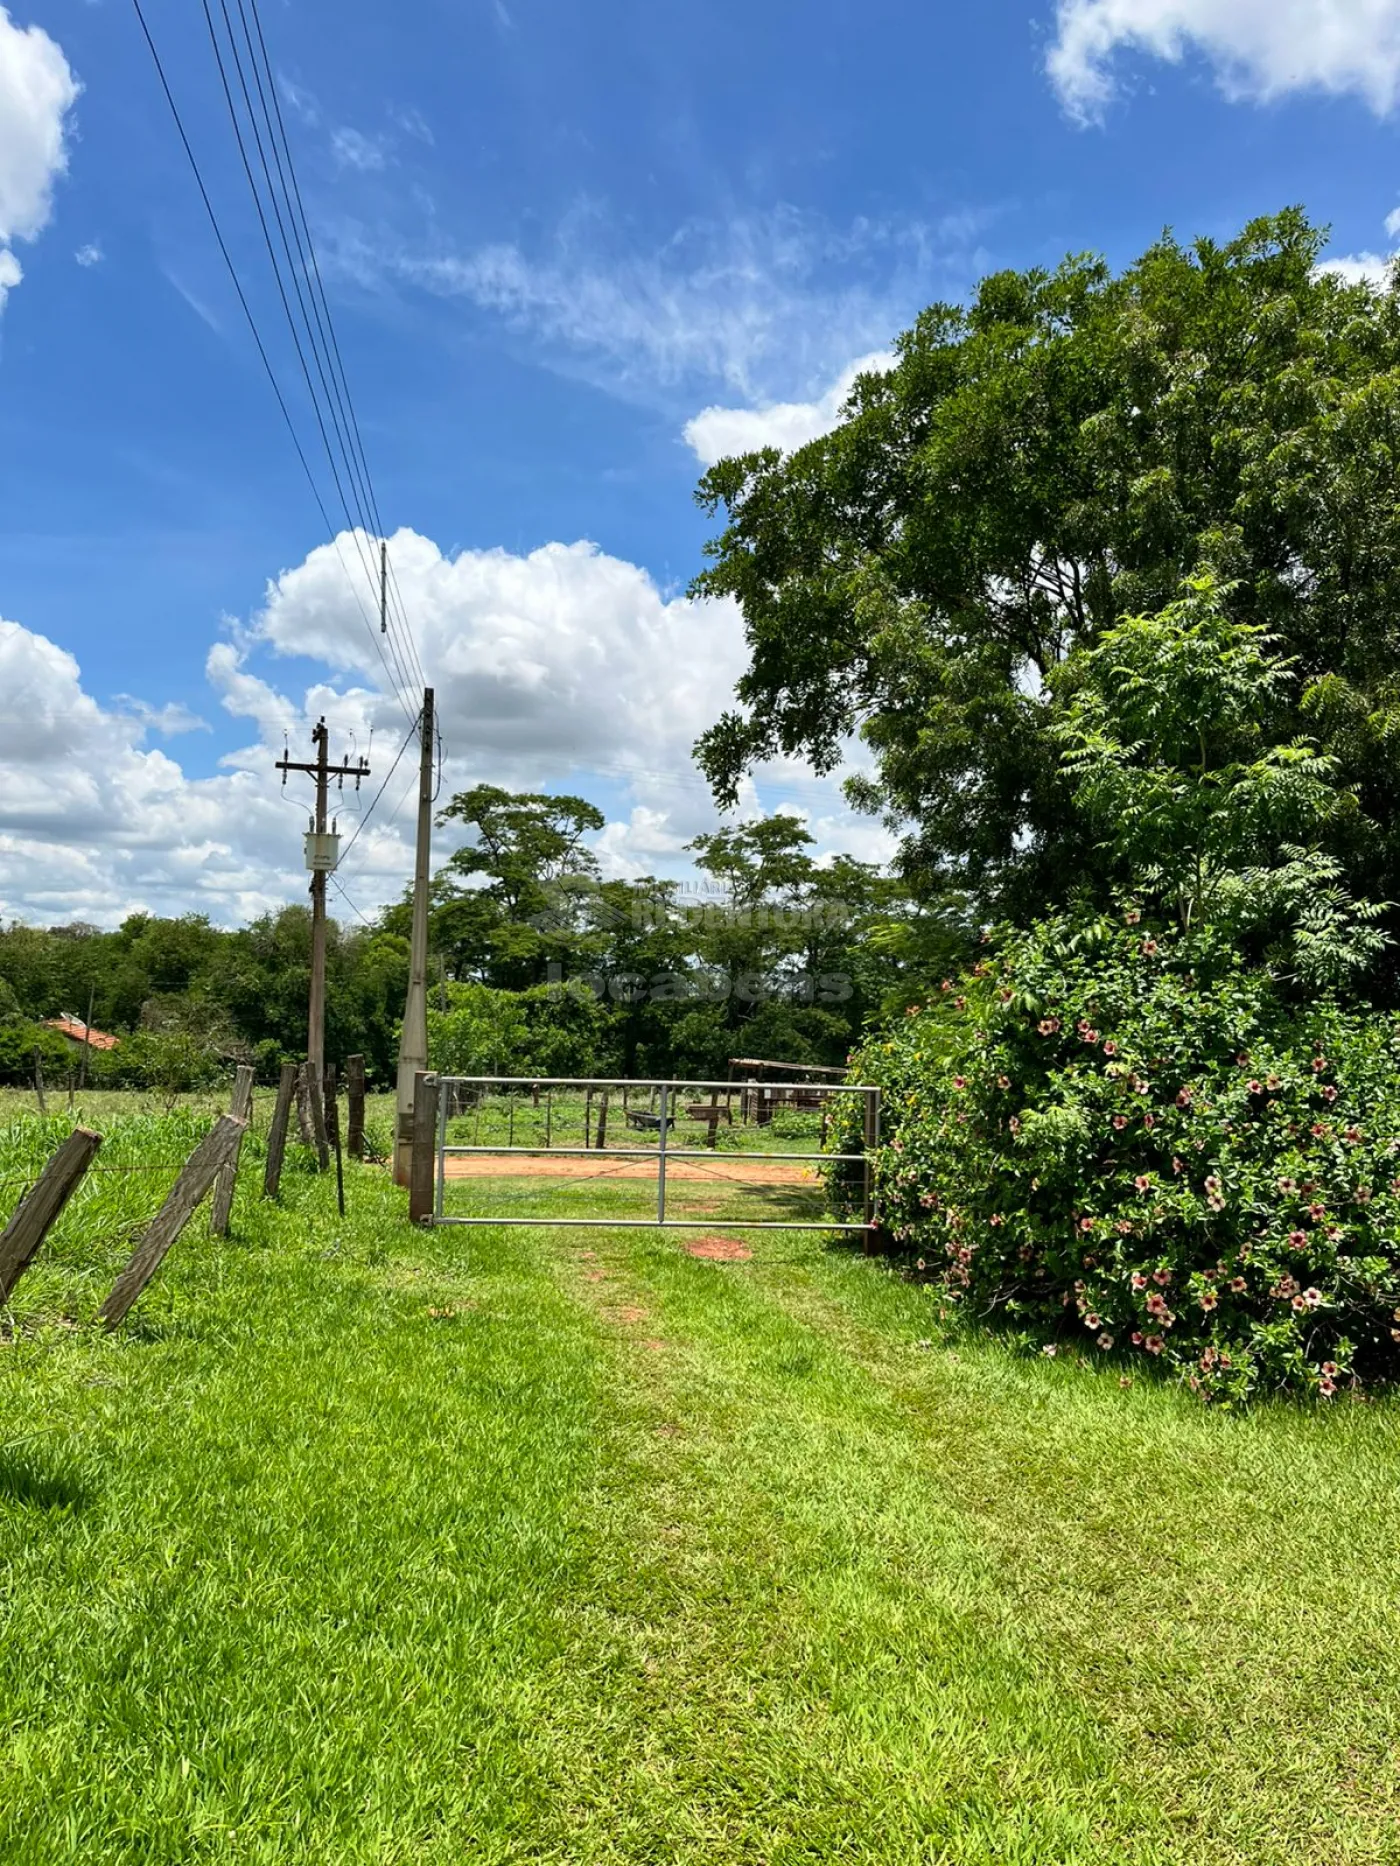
{"points": [[367, 1545]]}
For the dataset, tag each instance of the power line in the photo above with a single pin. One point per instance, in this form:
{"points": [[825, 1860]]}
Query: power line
{"points": [[331, 530], [356, 525], [303, 266], [318, 289], [348, 902], [378, 794]]}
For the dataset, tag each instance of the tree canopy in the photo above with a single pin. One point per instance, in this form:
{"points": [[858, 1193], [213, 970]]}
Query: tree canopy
{"points": [[1058, 453]]}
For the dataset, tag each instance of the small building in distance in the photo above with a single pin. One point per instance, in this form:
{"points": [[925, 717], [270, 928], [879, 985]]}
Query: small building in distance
{"points": [[80, 1033]]}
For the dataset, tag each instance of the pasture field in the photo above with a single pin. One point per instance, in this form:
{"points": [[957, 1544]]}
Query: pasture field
{"points": [[366, 1545]]}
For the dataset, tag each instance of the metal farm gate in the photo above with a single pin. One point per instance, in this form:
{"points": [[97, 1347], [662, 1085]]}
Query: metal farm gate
{"points": [[667, 1102]]}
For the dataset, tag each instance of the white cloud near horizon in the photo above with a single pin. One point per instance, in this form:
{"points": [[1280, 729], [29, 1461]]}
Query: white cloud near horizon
{"points": [[560, 668], [1258, 50], [716, 433], [37, 90]]}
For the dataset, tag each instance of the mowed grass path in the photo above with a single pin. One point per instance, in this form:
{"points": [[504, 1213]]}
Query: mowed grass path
{"points": [[373, 1546]]}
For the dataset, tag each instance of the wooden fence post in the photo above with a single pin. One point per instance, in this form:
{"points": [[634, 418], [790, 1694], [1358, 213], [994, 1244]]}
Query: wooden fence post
{"points": [[355, 1095], [197, 1176], [241, 1108], [277, 1134], [421, 1186], [332, 1102], [41, 1205], [603, 1122], [305, 1125], [315, 1094]]}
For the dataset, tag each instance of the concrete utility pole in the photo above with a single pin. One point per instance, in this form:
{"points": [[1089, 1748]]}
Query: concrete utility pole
{"points": [[413, 1044], [322, 854]]}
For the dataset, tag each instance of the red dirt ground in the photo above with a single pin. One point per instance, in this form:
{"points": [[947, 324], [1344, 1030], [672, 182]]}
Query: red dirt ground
{"points": [[720, 1250]]}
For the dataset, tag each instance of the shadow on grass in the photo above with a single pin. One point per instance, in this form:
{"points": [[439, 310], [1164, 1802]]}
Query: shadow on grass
{"points": [[39, 1479]]}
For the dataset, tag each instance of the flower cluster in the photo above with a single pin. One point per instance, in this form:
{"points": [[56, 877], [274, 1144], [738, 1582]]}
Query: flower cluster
{"points": [[1137, 1139]]}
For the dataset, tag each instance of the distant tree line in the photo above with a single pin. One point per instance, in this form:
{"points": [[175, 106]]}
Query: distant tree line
{"points": [[537, 964]]}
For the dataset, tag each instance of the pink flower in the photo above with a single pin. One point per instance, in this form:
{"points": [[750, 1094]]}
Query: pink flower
{"points": [[1105, 1341], [1139, 1280], [1354, 1136], [1149, 1120], [960, 1003], [1330, 1369], [1183, 1098], [1319, 1063], [1363, 1195], [1209, 1299], [1326, 1387], [1243, 1059], [947, 985], [1162, 1277], [1317, 1213], [1288, 1185], [1299, 1304], [1110, 1048], [1142, 1182], [1086, 1224], [1256, 1087], [996, 1219], [1122, 1227], [1046, 1026], [959, 1082], [1120, 1121], [1091, 1036], [1313, 1298], [1003, 1082], [1014, 1124], [1297, 1239], [1238, 1285], [1093, 1321], [1153, 1344], [1137, 1340], [1050, 1351], [1149, 946], [1132, 917], [1329, 1094]]}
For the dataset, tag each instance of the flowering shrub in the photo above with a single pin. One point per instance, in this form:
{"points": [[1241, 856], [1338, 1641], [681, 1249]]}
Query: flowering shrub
{"points": [[1128, 1135]]}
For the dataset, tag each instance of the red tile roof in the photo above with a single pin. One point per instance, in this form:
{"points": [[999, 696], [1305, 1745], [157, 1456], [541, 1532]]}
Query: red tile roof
{"points": [[75, 1028]]}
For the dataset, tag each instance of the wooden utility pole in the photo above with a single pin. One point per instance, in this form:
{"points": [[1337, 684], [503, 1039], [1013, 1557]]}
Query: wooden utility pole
{"points": [[322, 853], [413, 1044]]}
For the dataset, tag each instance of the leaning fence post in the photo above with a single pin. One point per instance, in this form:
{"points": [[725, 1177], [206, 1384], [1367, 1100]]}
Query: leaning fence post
{"points": [[197, 1176], [41, 1205], [355, 1096], [315, 1094], [426, 1089], [241, 1108], [277, 1133]]}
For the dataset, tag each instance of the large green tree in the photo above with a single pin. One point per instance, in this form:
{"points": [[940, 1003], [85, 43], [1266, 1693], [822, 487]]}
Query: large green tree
{"points": [[1055, 454]]}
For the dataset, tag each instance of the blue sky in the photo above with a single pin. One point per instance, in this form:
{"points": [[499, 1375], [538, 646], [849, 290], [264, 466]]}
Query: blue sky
{"points": [[553, 236]]}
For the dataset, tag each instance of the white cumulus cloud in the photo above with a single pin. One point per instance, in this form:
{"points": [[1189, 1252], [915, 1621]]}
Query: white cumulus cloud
{"points": [[717, 433], [37, 90], [560, 668], [1258, 49]]}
